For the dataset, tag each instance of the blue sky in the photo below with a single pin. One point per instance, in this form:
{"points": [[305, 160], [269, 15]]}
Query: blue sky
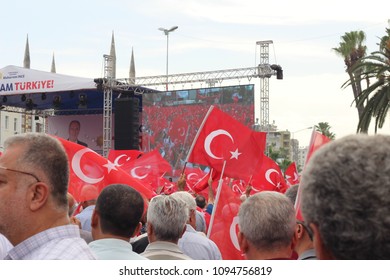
{"points": [[212, 35]]}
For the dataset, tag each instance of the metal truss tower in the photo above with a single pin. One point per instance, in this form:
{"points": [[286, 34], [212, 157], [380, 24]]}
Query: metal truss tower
{"points": [[107, 103], [264, 85]]}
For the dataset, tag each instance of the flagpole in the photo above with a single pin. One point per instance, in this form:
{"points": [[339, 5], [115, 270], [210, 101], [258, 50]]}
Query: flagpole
{"points": [[297, 203], [197, 133], [310, 144], [216, 200]]}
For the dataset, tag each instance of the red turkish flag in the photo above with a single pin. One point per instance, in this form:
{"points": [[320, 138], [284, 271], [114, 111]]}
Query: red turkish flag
{"points": [[222, 138], [202, 184], [239, 187], [167, 187], [89, 168], [149, 168], [317, 140], [151, 163], [178, 130], [225, 225], [268, 177], [193, 176], [292, 175], [120, 157]]}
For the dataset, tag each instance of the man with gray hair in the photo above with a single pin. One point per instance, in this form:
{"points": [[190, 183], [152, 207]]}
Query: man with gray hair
{"points": [[195, 244], [266, 226], [34, 178], [346, 198], [166, 223]]}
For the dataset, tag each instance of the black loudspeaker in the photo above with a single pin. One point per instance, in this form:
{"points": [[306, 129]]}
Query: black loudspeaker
{"points": [[127, 124]]}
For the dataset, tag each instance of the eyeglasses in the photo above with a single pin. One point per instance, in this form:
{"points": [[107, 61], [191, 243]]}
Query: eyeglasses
{"points": [[23, 172]]}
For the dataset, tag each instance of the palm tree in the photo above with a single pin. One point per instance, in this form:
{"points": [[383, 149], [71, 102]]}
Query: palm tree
{"points": [[375, 67], [280, 157], [284, 164], [351, 48], [324, 128]]}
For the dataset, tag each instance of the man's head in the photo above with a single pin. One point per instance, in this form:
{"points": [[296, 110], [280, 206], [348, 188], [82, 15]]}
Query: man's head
{"points": [[34, 177], [191, 205], [303, 237], [118, 212], [267, 223], [166, 219], [74, 130], [88, 195], [292, 192], [346, 198], [200, 201]]}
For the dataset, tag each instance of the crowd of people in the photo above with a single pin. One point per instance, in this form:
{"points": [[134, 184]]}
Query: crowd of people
{"points": [[344, 197], [173, 135]]}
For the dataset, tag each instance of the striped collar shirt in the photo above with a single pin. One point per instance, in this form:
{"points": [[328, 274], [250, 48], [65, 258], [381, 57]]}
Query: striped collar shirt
{"points": [[58, 243]]}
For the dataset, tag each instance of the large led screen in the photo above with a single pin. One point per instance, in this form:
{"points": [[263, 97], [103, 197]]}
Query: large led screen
{"points": [[171, 119]]}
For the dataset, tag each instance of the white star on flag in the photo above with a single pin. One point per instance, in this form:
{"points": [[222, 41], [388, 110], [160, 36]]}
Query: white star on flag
{"points": [[110, 166], [235, 154]]}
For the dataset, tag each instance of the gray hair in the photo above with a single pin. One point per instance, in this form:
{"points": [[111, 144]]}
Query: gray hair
{"points": [[292, 192], [346, 193], [267, 220], [168, 216], [188, 199], [47, 155]]}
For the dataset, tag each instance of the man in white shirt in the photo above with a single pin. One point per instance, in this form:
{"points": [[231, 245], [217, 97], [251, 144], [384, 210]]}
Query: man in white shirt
{"points": [[115, 220], [194, 243]]}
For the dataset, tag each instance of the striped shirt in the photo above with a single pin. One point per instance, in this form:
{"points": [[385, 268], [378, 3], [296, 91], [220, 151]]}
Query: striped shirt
{"points": [[58, 243]]}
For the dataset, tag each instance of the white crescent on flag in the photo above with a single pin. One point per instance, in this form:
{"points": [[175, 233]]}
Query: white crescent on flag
{"points": [[268, 175], [233, 233], [77, 168], [189, 176], [116, 161], [181, 131], [210, 138], [135, 175], [236, 188]]}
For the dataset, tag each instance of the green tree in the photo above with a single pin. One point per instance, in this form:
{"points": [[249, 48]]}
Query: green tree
{"points": [[375, 68], [351, 48], [279, 156], [324, 128], [284, 164]]}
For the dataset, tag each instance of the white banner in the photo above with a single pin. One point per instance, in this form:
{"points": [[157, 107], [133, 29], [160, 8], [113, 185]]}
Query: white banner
{"points": [[18, 80]]}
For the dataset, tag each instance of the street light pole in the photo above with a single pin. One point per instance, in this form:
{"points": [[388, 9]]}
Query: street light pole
{"points": [[166, 32]]}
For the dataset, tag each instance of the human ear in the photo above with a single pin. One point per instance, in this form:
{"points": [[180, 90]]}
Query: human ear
{"points": [[38, 194], [242, 242]]}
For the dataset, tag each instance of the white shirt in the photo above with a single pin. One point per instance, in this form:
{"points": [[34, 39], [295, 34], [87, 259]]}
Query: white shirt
{"points": [[5, 246], [198, 246], [114, 249], [85, 218], [58, 243]]}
